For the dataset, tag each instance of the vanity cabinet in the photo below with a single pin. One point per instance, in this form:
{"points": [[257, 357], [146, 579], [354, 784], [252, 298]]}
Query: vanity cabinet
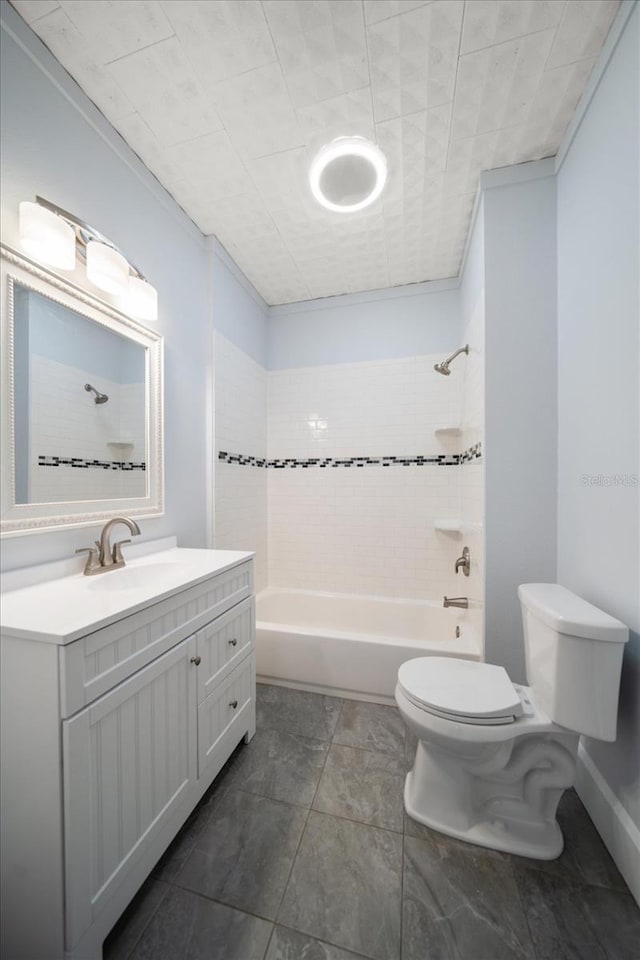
{"points": [[146, 711]]}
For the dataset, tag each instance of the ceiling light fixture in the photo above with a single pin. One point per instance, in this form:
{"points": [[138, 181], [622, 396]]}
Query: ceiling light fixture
{"points": [[57, 238], [348, 174]]}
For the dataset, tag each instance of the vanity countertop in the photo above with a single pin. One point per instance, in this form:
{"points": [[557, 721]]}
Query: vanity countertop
{"points": [[63, 609]]}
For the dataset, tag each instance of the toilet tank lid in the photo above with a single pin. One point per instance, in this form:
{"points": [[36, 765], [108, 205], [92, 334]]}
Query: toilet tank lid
{"points": [[569, 614]]}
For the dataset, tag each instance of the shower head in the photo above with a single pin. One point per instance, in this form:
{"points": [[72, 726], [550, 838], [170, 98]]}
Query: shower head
{"points": [[443, 367], [100, 397]]}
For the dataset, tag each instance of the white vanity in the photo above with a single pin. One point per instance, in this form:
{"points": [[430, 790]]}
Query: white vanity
{"points": [[122, 697]]}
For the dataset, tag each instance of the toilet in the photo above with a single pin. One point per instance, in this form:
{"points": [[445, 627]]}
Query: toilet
{"points": [[494, 757]]}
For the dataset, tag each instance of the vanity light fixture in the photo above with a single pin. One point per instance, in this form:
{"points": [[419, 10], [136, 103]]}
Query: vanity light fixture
{"points": [[107, 268], [47, 237], [348, 174], [57, 238]]}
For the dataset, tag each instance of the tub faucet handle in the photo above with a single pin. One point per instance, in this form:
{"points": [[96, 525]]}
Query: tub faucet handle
{"points": [[464, 562]]}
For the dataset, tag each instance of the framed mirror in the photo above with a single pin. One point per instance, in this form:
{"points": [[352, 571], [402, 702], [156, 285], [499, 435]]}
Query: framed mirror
{"points": [[82, 419]]}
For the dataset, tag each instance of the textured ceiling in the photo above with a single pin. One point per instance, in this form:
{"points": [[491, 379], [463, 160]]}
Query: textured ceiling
{"points": [[226, 101]]}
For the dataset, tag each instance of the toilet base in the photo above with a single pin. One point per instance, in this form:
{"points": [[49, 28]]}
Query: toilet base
{"points": [[503, 796], [524, 839]]}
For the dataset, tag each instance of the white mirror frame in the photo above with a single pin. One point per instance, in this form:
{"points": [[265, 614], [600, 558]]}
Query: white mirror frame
{"points": [[22, 518]]}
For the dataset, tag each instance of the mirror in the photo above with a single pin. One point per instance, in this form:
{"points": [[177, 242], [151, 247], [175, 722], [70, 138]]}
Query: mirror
{"points": [[81, 405]]}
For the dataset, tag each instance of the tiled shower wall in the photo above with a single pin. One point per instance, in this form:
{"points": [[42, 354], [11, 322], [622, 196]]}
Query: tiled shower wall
{"points": [[363, 529], [240, 427]]}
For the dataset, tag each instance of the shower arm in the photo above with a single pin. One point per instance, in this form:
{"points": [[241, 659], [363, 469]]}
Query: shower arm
{"points": [[464, 349]]}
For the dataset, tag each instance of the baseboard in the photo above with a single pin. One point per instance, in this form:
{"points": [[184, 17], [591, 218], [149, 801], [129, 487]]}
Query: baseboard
{"points": [[618, 831]]}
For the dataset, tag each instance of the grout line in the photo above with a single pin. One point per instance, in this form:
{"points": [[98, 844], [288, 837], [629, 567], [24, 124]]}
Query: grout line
{"points": [[304, 828]]}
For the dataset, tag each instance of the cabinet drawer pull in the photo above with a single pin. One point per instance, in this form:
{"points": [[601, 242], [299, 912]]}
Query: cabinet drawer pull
{"points": [[233, 642], [234, 704], [196, 660]]}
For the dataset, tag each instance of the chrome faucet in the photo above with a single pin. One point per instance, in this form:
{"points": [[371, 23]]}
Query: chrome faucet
{"points": [[464, 562], [462, 602], [102, 556]]}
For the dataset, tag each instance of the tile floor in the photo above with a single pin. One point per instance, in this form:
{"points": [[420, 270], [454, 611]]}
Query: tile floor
{"points": [[301, 851]]}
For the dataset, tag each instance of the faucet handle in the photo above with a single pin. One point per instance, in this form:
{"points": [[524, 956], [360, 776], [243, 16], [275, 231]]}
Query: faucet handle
{"points": [[93, 560], [117, 551]]}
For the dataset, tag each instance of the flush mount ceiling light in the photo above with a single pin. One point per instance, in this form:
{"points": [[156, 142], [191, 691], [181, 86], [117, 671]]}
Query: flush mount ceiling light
{"points": [[348, 174], [57, 238]]}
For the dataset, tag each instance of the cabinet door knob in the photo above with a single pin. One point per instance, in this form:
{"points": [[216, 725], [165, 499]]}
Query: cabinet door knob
{"points": [[196, 660], [234, 704], [233, 642]]}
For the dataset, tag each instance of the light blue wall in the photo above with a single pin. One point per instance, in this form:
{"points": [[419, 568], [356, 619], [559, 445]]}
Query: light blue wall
{"points": [[400, 322], [60, 334], [56, 144], [599, 378], [520, 404], [239, 312]]}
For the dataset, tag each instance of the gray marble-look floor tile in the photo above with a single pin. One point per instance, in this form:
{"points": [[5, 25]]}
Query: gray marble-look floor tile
{"points": [[290, 945], [572, 921], [345, 887], [127, 931], [585, 857], [283, 766], [459, 903], [244, 854], [189, 927], [179, 849], [296, 711], [371, 726], [362, 785]]}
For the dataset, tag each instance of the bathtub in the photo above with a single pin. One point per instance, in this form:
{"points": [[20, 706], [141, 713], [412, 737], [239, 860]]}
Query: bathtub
{"points": [[353, 645]]}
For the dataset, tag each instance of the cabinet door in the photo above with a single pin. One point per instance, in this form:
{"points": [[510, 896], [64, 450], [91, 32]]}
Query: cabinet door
{"points": [[129, 761]]}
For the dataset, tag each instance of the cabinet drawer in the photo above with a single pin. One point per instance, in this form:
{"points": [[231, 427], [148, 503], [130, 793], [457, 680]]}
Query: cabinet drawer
{"points": [[96, 663], [222, 644], [225, 706]]}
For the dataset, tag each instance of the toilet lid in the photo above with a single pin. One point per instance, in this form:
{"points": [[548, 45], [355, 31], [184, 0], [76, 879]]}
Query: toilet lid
{"points": [[460, 688]]}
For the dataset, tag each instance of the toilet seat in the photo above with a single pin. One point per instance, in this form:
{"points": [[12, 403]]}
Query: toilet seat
{"points": [[464, 691]]}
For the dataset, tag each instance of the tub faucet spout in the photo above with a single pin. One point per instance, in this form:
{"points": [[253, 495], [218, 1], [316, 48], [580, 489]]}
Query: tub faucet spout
{"points": [[462, 602]]}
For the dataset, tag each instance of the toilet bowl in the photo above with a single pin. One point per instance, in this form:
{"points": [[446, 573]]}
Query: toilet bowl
{"points": [[494, 757]]}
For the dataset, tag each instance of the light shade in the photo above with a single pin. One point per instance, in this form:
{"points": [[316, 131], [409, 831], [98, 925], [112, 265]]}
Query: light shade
{"points": [[46, 237], [142, 301], [348, 174], [106, 268]]}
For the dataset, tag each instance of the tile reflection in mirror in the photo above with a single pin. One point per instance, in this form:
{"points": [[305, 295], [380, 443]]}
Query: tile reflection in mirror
{"points": [[72, 444]]}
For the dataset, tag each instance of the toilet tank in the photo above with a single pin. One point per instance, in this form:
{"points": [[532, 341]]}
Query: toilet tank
{"points": [[574, 658]]}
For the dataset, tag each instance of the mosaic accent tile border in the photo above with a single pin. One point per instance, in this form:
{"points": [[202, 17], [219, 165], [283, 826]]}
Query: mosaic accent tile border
{"points": [[303, 463], [86, 464]]}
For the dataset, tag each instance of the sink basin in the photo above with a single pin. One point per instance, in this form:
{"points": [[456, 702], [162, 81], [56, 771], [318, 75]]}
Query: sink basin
{"points": [[134, 577]]}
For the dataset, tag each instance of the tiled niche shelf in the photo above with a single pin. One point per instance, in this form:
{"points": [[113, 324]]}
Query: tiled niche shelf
{"points": [[449, 526], [448, 430]]}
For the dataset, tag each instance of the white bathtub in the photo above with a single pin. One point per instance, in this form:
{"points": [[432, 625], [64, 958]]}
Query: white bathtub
{"points": [[352, 645]]}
